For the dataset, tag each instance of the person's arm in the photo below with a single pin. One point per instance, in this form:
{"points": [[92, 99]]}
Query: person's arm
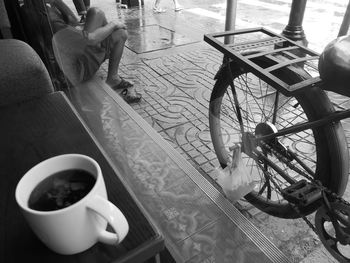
{"points": [[101, 33], [66, 12]]}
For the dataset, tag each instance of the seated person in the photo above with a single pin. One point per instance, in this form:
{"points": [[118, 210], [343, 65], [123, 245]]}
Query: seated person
{"points": [[80, 52]]}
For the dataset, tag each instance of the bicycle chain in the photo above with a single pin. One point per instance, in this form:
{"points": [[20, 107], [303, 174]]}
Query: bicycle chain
{"points": [[295, 208], [285, 160]]}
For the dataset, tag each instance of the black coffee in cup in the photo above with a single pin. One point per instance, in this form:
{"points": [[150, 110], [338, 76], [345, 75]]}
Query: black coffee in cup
{"points": [[61, 190]]}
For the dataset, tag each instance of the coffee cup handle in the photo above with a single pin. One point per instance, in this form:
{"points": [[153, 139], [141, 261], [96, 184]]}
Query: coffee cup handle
{"points": [[113, 216]]}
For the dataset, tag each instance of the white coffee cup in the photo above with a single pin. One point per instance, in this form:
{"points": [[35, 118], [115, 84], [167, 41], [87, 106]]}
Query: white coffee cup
{"points": [[79, 226]]}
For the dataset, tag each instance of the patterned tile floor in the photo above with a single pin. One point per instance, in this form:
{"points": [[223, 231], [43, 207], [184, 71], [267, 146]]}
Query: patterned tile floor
{"points": [[198, 223], [180, 112], [175, 73], [175, 102]]}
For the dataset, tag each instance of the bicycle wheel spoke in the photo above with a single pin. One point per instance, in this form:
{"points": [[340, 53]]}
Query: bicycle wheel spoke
{"points": [[268, 177], [252, 108], [249, 92], [266, 186], [247, 112]]}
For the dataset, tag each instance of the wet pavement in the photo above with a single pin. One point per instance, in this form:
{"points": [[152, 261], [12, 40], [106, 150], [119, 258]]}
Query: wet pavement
{"points": [[174, 70]]}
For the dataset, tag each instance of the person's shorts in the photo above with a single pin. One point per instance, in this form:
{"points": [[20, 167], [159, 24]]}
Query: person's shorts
{"points": [[78, 60]]}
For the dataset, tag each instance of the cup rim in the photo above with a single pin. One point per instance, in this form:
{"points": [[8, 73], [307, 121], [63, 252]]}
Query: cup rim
{"points": [[38, 166]]}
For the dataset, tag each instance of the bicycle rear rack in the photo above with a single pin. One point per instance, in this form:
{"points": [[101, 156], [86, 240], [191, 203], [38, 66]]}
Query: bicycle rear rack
{"points": [[281, 53]]}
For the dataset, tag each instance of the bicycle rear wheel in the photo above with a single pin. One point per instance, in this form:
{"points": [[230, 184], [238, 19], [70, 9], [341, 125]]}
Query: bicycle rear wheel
{"points": [[322, 149]]}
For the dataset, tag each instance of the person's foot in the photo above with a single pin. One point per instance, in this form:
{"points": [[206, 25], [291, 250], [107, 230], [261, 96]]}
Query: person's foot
{"points": [[130, 95], [178, 8], [127, 91], [157, 9]]}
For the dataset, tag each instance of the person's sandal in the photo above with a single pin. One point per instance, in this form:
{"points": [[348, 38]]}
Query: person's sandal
{"points": [[123, 84], [130, 95], [127, 91], [178, 8], [158, 10]]}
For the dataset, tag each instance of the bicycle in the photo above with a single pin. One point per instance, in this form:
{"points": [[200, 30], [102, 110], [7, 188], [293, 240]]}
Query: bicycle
{"points": [[268, 97]]}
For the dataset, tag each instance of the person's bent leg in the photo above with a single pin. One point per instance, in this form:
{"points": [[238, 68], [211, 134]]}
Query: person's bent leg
{"points": [[80, 7], [95, 18], [178, 7], [126, 89], [156, 7], [117, 43], [87, 4]]}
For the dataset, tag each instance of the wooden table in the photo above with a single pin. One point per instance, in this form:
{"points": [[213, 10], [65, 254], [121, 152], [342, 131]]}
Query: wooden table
{"points": [[35, 130]]}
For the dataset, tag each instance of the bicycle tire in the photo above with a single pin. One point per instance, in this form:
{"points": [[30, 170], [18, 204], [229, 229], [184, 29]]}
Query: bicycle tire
{"points": [[330, 153]]}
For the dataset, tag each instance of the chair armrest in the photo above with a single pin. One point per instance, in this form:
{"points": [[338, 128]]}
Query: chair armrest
{"points": [[23, 75]]}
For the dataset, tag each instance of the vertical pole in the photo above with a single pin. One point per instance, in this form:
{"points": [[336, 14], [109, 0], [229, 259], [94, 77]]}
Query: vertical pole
{"points": [[230, 23], [346, 21], [294, 29]]}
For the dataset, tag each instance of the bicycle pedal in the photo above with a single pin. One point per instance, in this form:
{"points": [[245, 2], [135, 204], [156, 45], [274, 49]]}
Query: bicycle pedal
{"points": [[302, 193]]}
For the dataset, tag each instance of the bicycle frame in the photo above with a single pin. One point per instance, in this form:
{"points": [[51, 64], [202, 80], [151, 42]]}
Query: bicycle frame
{"points": [[235, 53], [323, 185], [336, 116]]}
